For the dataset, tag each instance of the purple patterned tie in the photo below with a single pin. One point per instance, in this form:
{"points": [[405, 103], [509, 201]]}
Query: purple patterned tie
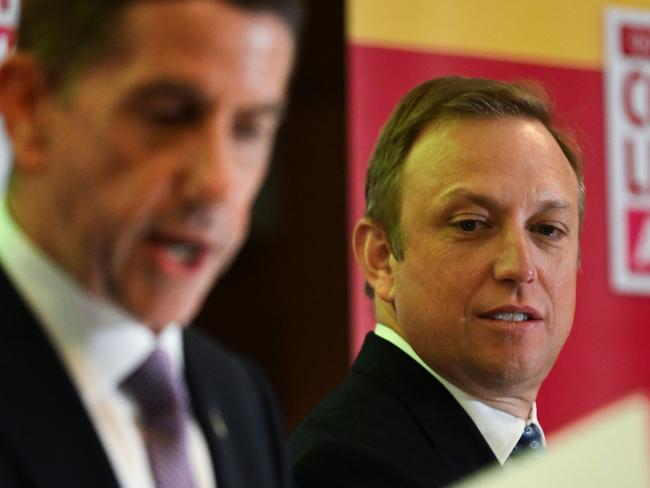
{"points": [[163, 403]]}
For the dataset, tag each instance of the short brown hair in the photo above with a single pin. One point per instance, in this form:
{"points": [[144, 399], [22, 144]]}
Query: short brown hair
{"points": [[443, 99], [65, 36]]}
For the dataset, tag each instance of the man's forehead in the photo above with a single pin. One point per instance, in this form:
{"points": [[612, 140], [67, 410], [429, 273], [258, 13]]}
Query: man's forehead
{"points": [[200, 44], [166, 25], [149, 18], [435, 140], [463, 156], [463, 139]]}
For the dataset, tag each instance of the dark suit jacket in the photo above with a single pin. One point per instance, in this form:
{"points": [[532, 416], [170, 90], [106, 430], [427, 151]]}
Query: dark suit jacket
{"points": [[389, 424], [47, 439]]}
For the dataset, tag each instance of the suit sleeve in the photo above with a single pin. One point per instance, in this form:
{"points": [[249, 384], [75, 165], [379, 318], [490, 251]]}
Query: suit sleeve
{"points": [[334, 463]]}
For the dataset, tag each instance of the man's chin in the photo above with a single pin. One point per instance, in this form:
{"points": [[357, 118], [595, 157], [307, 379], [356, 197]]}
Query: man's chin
{"points": [[156, 301], [158, 322], [514, 377], [157, 316]]}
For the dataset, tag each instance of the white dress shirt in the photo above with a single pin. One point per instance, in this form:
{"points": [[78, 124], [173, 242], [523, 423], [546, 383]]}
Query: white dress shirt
{"points": [[500, 429], [100, 345]]}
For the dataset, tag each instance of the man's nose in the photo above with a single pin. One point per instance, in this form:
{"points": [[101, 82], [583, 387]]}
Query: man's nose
{"points": [[210, 172], [514, 261]]}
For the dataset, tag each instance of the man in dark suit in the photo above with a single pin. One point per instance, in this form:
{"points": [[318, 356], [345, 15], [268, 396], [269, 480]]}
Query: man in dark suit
{"points": [[469, 244], [141, 133]]}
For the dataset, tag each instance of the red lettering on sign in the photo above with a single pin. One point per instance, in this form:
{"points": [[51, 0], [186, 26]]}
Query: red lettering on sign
{"points": [[9, 34], [635, 80], [636, 41], [633, 167], [639, 241], [632, 185]]}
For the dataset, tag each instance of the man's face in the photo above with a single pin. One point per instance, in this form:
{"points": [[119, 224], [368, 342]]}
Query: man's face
{"points": [[485, 292], [154, 159]]}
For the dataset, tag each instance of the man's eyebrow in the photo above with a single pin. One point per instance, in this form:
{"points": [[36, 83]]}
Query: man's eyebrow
{"points": [[555, 204], [264, 109], [177, 89], [486, 201], [456, 193], [165, 88]]}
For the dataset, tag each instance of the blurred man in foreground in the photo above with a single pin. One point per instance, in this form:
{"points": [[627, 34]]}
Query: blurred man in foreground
{"points": [[141, 132], [470, 244]]}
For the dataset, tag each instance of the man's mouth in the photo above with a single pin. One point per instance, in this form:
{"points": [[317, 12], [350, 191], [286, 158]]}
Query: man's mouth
{"points": [[184, 252], [177, 254], [510, 316], [515, 317]]}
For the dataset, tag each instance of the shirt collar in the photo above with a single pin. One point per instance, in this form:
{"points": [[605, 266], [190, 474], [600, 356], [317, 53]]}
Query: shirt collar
{"points": [[500, 429], [99, 342]]}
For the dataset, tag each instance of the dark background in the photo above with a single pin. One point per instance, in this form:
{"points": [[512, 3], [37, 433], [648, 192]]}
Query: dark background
{"points": [[284, 302]]}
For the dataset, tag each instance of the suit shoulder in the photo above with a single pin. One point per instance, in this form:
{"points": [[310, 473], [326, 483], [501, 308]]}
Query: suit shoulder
{"points": [[200, 345], [359, 412], [210, 354], [333, 461], [225, 375], [355, 408], [363, 432]]}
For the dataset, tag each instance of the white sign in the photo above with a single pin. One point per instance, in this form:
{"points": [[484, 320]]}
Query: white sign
{"points": [[627, 102]]}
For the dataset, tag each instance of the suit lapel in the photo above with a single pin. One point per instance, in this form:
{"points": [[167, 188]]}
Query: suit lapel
{"points": [[451, 432], [208, 410], [42, 419], [456, 438], [236, 413]]}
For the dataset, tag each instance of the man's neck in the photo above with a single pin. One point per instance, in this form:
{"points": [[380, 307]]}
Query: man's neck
{"points": [[516, 400], [514, 406]]}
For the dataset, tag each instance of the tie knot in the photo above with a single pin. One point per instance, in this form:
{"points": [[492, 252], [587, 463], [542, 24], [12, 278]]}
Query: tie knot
{"points": [[530, 440], [155, 386]]}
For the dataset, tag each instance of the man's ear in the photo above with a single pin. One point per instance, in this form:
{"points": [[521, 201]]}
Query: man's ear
{"points": [[22, 90], [373, 253]]}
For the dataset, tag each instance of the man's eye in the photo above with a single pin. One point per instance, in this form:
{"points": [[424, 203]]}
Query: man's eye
{"points": [[248, 129], [171, 113], [548, 230], [469, 225]]}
